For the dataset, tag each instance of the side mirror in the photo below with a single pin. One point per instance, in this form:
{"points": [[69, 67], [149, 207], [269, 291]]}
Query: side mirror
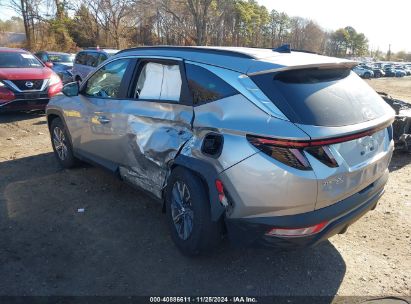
{"points": [[71, 89], [49, 64]]}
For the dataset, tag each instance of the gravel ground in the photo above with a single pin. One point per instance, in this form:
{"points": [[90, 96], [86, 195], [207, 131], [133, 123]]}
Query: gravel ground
{"points": [[120, 244], [397, 87]]}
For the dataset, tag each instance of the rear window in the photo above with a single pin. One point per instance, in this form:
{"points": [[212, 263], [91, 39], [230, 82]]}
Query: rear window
{"points": [[92, 59], [322, 97], [206, 86], [80, 58]]}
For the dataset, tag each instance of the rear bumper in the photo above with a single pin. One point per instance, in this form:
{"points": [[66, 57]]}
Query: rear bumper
{"points": [[251, 231], [24, 105]]}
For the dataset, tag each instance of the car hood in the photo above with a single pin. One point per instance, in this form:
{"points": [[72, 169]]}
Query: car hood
{"points": [[63, 64], [25, 73]]}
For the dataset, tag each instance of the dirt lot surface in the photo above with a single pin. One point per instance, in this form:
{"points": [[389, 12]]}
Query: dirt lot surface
{"points": [[396, 87], [120, 244]]}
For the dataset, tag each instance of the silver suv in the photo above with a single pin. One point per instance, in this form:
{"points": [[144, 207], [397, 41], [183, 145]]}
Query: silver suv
{"points": [[271, 147], [87, 60]]}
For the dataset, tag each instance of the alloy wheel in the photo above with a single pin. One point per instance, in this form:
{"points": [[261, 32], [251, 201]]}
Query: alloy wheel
{"points": [[59, 141], [181, 210]]}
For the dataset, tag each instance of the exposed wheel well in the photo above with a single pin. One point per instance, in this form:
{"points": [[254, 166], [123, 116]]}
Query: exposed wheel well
{"points": [[173, 167], [50, 118]]}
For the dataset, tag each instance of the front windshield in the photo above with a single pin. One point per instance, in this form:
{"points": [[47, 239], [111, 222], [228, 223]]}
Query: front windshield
{"points": [[60, 58], [18, 60]]}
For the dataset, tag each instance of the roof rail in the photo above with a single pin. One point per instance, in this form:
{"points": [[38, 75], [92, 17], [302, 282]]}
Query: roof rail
{"points": [[200, 49], [304, 51], [285, 48]]}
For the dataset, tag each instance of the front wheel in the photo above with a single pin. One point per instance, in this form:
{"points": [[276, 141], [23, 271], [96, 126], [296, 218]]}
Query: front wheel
{"points": [[61, 144], [188, 214]]}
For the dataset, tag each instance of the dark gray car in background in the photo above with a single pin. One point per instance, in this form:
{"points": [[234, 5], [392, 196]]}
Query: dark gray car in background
{"points": [[61, 63], [270, 147]]}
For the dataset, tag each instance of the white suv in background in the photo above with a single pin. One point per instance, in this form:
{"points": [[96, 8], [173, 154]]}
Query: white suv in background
{"points": [[87, 60]]}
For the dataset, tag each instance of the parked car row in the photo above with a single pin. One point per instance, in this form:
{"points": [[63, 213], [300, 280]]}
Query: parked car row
{"points": [[28, 81], [377, 70], [71, 67]]}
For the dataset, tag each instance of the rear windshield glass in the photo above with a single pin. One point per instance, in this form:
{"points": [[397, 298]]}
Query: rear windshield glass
{"points": [[322, 97], [18, 60]]}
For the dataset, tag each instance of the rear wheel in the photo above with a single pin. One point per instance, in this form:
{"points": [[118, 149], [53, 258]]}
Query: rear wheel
{"points": [[61, 144], [188, 214], [367, 75]]}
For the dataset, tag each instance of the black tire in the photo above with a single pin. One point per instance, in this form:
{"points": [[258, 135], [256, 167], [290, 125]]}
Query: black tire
{"points": [[205, 234], [62, 146], [367, 75]]}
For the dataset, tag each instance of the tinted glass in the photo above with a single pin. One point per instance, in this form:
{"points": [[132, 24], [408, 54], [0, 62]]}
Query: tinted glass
{"points": [[206, 86], [41, 56], [101, 58], [80, 58], [92, 59], [322, 97], [60, 58], [106, 81], [18, 60]]}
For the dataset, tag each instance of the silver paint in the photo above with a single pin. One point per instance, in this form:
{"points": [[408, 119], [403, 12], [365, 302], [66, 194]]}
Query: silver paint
{"points": [[244, 85], [142, 138]]}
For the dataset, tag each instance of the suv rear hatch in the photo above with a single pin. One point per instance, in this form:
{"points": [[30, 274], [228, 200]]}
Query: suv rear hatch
{"points": [[348, 122]]}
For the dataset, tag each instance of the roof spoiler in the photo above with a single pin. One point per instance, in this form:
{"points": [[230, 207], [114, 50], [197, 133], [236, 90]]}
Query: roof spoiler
{"points": [[328, 65], [285, 48]]}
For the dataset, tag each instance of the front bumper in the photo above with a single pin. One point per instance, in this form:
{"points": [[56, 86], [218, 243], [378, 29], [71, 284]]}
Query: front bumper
{"points": [[251, 231], [25, 104]]}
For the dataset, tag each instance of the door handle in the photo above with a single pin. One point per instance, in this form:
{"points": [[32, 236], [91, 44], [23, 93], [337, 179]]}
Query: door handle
{"points": [[103, 119]]}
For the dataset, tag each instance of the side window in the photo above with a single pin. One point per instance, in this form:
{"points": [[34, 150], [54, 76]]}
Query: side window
{"points": [[92, 59], [101, 58], [40, 56], [80, 58], [206, 86], [105, 83], [159, 81]]}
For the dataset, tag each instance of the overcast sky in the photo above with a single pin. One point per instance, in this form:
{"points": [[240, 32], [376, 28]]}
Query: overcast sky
{"points": [[384, 22]]}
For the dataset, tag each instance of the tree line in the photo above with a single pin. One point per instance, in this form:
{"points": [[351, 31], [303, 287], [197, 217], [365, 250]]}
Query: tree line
{"points": [[68, 25]]}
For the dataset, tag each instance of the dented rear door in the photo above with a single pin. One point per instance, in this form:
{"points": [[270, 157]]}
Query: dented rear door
{"points": [[159, 121]]}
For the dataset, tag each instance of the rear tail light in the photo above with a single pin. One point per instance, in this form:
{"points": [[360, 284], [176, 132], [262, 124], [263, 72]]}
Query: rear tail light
{"points": [[221, 195], [292, 153], [323, 154], [296, 232], [286, 152]]}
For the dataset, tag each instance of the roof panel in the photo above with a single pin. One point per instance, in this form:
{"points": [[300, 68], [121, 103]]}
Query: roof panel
{"points": [[240, 59]]}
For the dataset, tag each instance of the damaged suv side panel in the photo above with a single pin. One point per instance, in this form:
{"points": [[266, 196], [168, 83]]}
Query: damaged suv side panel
{"points": [[156, 132]]}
